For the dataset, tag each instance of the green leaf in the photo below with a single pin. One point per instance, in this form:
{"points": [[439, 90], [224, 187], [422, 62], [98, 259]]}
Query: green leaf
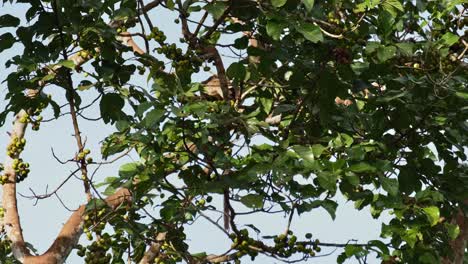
{"points": [[278, 3], [111, 107], [67, 63], [412, 236], [306, 152], [362, 167], [428, 258], [433, 214], [327, 180], [216, 9], [462, 95], [330, 206], [380, 245], [129, 170], [9, 21], [395, 3], [390, 186], [170, 4], [309, 4], [409, 180], [55, 108], [274, 29], [351, 250], [385, 53], [371, 47], [311, 32], [405, 48], [123, 13], [449, 39], [359, 67], [391, 6], [267, 103], [6, 41], [352, 179], [317, 150], [452, 230], [252, 200], [153, 117], [348, 140], [84, 85], [236, 71]]}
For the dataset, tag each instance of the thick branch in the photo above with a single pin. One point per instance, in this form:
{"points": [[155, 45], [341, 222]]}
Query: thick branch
{"points": [[459, 244], [154, 249], [11, 220], [71, 232]]}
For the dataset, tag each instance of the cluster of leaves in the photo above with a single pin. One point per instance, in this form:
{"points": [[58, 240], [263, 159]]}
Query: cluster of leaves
{"points": [[398, 147], [6, 255]]}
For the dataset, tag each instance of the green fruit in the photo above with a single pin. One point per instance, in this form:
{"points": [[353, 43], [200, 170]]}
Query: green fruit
{"points": [[282, 237], [83, 53], [202, 202]]}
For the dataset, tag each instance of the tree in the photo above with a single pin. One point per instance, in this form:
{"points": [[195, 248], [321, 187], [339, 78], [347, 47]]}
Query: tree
{"points": [[363, 98]]}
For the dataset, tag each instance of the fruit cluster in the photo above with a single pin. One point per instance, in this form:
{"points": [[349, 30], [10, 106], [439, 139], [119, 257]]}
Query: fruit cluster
{"points": [[189, 61], [3, 179], [33, 115], [93, 220], [5, 246], [243, 244], [84, 155], [287, 244], [16, 147], [21, 169], [96, 252], [157, 35], [83, 54]]}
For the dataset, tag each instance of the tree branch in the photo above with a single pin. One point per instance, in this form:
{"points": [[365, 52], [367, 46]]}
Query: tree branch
{"points": [[154, 249], [72, 230]]}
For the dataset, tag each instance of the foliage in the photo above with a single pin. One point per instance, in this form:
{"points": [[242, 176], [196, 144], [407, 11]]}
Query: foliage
{"points": [[398, 144]]}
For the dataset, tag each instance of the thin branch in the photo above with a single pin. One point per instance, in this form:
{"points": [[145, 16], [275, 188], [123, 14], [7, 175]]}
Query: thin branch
{"points": [[47, 195]]}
